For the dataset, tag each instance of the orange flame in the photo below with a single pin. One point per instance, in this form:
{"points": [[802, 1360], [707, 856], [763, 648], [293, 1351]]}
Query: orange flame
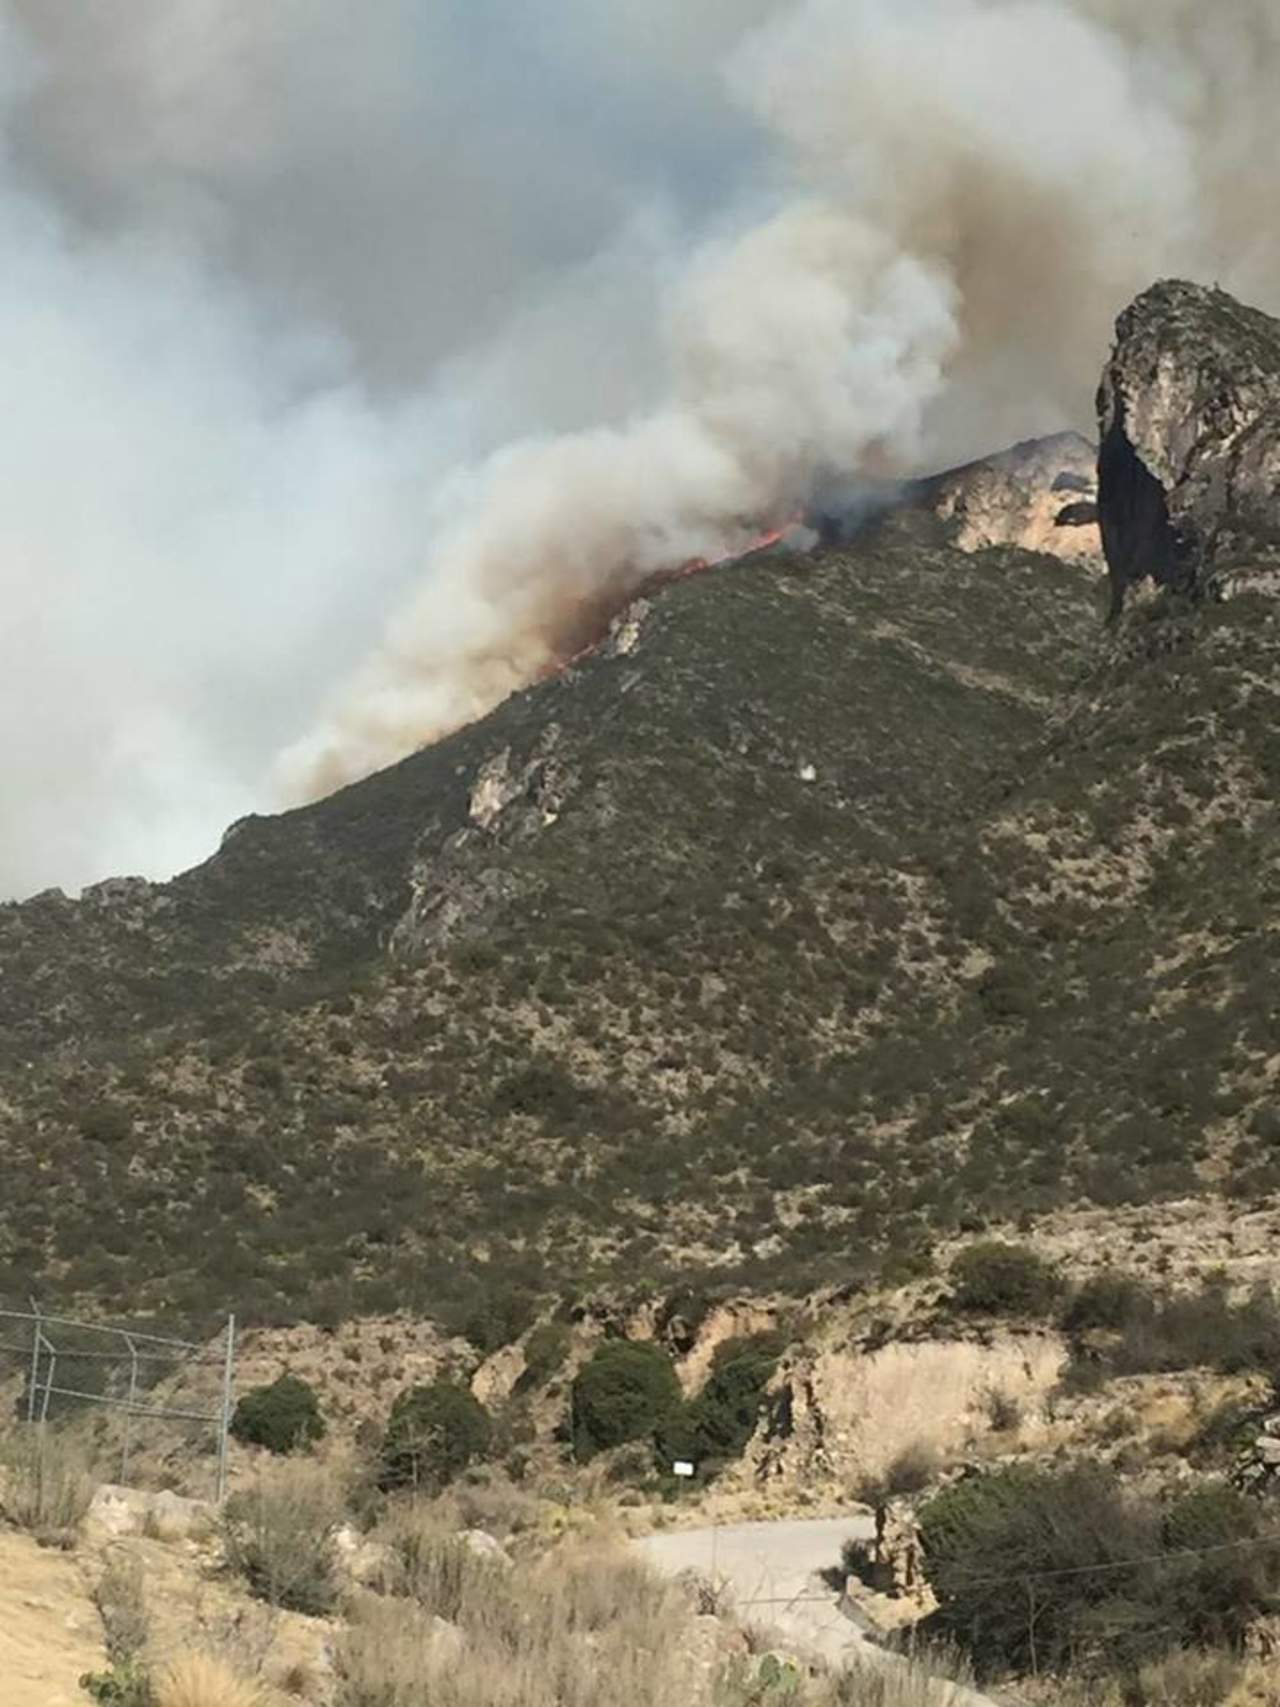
{"points": [[599, 619]]}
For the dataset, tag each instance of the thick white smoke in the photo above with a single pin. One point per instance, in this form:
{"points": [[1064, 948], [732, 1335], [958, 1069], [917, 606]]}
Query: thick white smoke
{"points": [[476, 315]]}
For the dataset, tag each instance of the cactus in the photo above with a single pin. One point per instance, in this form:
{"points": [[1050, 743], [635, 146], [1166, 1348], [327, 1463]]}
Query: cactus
{"points": [[779, 1675]]}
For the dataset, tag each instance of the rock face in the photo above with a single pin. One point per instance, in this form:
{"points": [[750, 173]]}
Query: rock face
{"points": [[1189, 464], [1037, 496]]}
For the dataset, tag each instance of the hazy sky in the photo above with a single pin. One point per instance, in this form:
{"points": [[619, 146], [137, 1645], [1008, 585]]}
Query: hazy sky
{"points": [[346, 348]]}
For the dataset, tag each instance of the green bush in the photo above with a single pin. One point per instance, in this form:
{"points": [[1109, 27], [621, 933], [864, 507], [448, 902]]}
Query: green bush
{"points": [[544, 1352], [722, 1418], [1004, 1280], [105, 1123], [1229, 1571], [626, 1392], [497, 1320], [432, 1434], [1109, 1300], [1012, 1557], [283, 1417], [1052, 1570], [127, 1684], [1204, 1329]]}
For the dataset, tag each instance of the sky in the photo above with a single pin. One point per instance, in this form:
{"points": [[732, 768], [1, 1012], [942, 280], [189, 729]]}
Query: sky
{"points": [[350, 352]]}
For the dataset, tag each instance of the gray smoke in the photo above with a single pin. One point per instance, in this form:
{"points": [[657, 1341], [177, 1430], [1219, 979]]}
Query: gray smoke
{"points": [[348, 361]]}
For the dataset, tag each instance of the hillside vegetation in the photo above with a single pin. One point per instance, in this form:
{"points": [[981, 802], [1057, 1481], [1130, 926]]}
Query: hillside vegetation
{"points": [[851, 900], [706, 956], [831, 907]]}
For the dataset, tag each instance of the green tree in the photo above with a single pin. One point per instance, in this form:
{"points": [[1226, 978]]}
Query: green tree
{"points": [[283, 1417], [626, 1392], [432, 1434]]}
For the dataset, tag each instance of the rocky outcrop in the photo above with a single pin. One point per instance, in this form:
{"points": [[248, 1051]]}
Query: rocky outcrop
{"points": [[1038, 496], [1189, 459]]}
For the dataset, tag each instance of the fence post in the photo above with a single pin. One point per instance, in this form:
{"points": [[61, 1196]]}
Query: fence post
{"points": [[35, 1361], [224, 1427], [128, 1415]]}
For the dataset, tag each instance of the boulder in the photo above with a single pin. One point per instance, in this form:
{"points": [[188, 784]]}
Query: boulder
{"points": [[483, 1545], [367, 1564], [116, 1511], [1189, 457]]}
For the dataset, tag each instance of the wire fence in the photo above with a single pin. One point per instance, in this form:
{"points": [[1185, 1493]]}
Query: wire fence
{"points": [[155, 1399]]}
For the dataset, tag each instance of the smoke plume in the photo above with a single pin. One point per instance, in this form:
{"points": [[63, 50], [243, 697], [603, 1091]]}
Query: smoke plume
{"points": [[352, 363]]}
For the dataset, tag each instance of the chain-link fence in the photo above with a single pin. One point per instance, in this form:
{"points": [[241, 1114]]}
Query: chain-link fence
{"points": [[159, 1403]]}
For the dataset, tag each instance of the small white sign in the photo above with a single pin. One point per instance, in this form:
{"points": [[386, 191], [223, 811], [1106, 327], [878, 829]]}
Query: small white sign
{"points": [[681, 1468]]}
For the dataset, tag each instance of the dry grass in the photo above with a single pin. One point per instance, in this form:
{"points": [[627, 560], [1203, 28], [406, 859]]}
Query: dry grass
{"points": [[495, 1505], [46, 1483], [278, 1534], [201, 1680], [1185, 1679], [120, 1597], [582, 1627]]}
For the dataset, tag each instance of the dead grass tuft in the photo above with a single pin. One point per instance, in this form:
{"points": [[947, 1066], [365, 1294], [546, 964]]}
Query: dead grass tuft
{"points": [[201, 1680]]}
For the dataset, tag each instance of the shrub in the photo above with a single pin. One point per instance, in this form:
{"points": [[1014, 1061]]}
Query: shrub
{"points": [[1110, 1299], [126, 1684], [283, 1417], [1229, 1426], [544, 1352], [1053, 1569], [121, 1601], [434, 1566], [1004, 1280], [1004, 1411], [46, 1483], [1203, 1329], [1230, 1569], [497, 1320], [278, 1534], [627, 1391], [433, 1433], [910, 1472], [579, 1628], [990, 1542], [722, 1418], [105, 1123]]}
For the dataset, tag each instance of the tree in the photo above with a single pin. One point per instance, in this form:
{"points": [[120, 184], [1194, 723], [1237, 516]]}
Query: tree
{"points": [[626, 1392], [433, 1433], [283, 1417]]}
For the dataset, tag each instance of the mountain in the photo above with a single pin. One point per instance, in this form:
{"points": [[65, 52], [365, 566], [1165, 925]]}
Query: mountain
{"points": [[835, 901]]}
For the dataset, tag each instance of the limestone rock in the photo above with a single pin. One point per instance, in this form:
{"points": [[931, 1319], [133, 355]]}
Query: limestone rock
{"points": [[368, 1564], [1189, 418], [483, 1545], [115, 1512], [1038, 496]]}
